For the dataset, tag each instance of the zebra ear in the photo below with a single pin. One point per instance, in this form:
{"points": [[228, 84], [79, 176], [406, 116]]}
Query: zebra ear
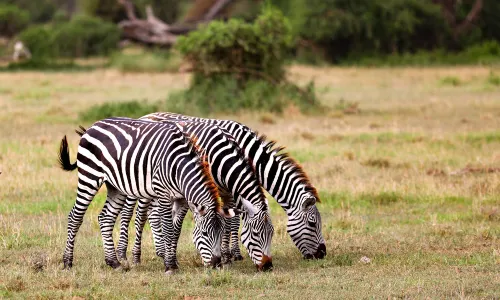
{"points": [[308, 203], [249, 207], [226, 212], [197, 208]]}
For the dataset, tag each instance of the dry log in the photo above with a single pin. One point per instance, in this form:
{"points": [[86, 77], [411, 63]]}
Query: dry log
{"points": [[153, 31]]}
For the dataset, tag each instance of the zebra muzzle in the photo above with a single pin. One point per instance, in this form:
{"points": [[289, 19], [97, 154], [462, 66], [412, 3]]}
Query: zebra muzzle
{"points": [[215, 261], [266, 264]]}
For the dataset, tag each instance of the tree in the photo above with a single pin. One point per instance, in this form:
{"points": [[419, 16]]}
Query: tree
{"points": [[153, 31], [451, 8]]}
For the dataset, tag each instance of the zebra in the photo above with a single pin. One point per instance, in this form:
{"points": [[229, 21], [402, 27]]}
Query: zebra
{"points": [[280, 175], [236, 180], [147, 160]]}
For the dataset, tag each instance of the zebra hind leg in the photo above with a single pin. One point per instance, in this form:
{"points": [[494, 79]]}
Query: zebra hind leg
{"points": [[125, 217], [85, 194], [107, 219], [235, 241]]}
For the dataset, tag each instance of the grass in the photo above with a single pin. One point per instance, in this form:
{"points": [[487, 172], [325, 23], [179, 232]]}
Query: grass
{"points": [[137, 61], [391, 179]]}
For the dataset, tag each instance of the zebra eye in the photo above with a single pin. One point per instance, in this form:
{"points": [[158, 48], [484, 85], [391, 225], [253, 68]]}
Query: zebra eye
{"points": [[311, 223]]}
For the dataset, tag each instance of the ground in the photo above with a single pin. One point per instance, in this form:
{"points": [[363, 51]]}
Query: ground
{"points": [[406, 161]]}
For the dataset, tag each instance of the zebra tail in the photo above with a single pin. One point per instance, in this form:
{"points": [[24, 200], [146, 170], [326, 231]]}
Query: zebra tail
{"points": [[64, 160]]}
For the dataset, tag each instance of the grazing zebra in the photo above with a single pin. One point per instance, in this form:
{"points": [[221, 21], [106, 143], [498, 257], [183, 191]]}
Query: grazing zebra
{"points": [[281, 176], [147, 160], [236, 180]]}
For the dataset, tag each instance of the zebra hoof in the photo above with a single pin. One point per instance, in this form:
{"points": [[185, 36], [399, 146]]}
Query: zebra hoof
{"points": [[170, 272], [125, 266], [238, 257]]}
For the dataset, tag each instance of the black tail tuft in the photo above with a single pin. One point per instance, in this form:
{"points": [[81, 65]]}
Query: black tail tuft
{"points": [[64, 161], [81, 130]]}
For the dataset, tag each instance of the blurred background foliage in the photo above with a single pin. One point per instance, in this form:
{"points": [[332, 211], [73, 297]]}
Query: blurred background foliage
{"points": [[241, 51], [324, 31]]}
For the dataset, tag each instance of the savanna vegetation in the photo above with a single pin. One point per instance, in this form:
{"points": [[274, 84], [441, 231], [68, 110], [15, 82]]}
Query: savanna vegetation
{"points": [[406, 159], [406, 162]]}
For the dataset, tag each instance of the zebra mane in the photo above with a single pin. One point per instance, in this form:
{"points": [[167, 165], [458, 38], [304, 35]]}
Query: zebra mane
{"points": [[205, 168], [270, 147]]}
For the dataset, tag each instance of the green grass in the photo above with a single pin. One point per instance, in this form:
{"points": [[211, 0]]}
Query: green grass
{"points": [[146, 62], [391, 181]]}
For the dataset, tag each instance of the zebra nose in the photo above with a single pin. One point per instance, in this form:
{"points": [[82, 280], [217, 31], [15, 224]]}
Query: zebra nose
{"points": [[216, 261], [266, 264], [321, 252]]}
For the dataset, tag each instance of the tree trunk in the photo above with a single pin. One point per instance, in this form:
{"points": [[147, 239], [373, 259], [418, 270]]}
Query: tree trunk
{"points": [[154, 31], [449, 10]]}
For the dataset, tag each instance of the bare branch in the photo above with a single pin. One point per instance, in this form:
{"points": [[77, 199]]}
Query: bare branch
{"points": [[129, 9], [473, 15], [216, 9]]}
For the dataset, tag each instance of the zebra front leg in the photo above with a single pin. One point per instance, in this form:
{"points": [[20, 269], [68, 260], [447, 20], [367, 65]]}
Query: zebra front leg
{"points": [[140, 221], [125, 217], [107, 219], [167, 232], [235, 241], [179, 211], [225, 249], [86, 191]]}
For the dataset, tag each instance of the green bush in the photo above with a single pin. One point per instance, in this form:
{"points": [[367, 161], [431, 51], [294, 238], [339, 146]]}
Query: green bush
{"points": [[38, 39], [131, 109], [240, 66], [12, 19], [40, 11], [83, 36], [225, 94], [257, 47]]}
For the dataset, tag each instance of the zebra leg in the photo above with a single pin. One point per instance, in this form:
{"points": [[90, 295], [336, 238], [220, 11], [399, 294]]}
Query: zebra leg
{"points": [[225, 249], [125, 217], [235, 241], [167, 232], [107, 219], [140, 221], [179, 211], [226, 234], [86, 191], [154, 218]]}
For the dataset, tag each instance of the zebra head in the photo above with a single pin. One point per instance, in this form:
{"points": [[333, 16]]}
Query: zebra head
{"points": [[257, 233], [304, 227], [207, 234]]}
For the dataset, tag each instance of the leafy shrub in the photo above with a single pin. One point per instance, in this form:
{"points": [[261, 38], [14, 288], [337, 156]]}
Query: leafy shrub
{"points": [[131, 109], [240, 65], [224, 47], [85, 36], [12, 19], [38, 39], [40, 11], [225, 94], [81, 37]]}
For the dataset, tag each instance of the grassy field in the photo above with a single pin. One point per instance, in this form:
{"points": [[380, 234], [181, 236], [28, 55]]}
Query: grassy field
{"points": [[406, 161]]}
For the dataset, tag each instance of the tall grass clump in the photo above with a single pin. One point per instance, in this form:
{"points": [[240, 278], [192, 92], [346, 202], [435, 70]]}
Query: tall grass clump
{"points": [[240, 66]]}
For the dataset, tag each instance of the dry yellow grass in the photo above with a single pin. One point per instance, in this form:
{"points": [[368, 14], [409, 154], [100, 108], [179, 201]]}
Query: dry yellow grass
{"points": [[404, 181]]}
